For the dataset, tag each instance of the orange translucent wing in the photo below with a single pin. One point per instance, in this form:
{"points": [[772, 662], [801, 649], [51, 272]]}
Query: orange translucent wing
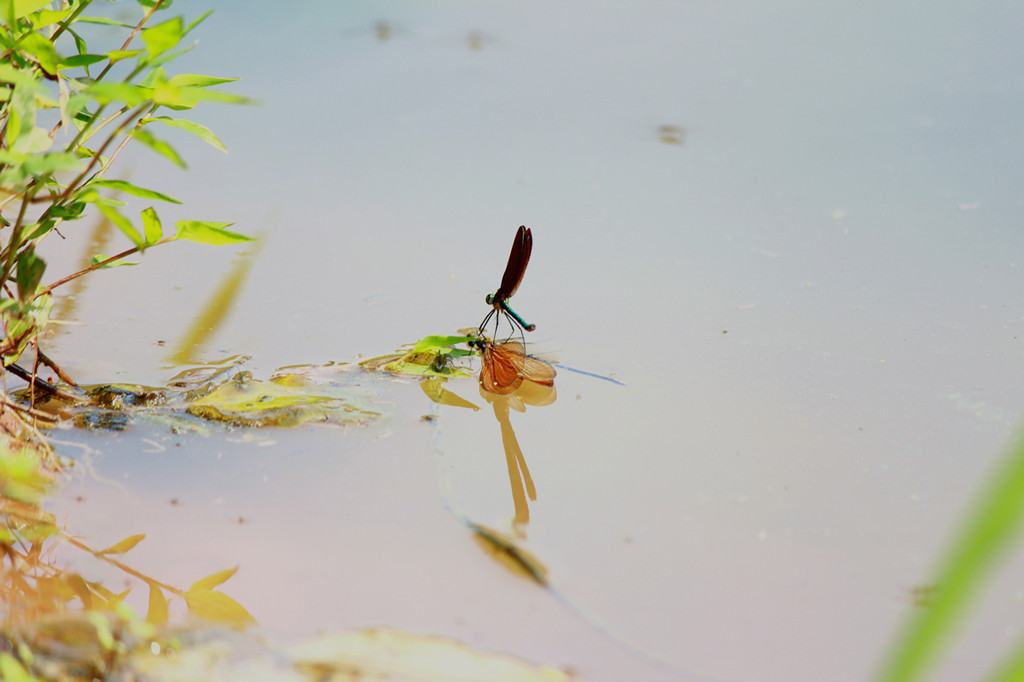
{"points": [[505, 365], [538, 371], [502, 370], [518, 259]]}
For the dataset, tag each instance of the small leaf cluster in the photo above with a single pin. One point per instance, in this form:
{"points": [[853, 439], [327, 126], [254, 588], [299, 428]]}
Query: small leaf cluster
{"points": [[67, 111]]}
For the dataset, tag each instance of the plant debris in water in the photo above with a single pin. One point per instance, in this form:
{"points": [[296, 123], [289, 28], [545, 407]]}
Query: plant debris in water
{"points": [[328, 394]]}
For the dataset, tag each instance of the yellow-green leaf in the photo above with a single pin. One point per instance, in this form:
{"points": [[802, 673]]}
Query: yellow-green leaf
{"points": [[212, 581], [23, 8], [157, 613], [151, 226], [209, 233], [121, 222], [99, 258], [82, 591], [200, 131], [134, 190], [125, 545], [217, 607], [162, 37], [42, 49], [12, 670]]}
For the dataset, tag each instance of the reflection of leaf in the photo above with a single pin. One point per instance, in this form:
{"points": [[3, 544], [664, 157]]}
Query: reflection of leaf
{"points": [[212, 581], [248, 402], [435, 390], [125, 545], [216, 606], [157, 613], [508, 551]]}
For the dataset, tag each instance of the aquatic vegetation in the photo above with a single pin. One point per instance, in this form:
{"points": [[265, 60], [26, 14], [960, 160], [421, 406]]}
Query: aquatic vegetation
{"points": [[58, 623], [431, 356], [70, 109]]}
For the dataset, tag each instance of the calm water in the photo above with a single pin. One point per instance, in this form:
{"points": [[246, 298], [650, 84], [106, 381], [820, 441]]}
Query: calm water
{"points": [[811, 293]]}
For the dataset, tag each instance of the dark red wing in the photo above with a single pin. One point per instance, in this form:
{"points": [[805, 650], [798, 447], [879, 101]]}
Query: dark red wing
{"points": [[518, 259]]}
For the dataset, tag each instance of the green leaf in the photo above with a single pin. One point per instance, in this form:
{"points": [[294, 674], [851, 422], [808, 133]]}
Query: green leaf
{"points": [[48, 17], [200, 131], [170, 56], [197, 80], [134, 190], [159, 146], [117, 55], [209, 233], [195, 23], [109, 201], [81, 60], [9, 74], [212, 581], [162, 37], [99, 258], [39, 230], [79, 42], [437, 342], [42, 49], [43, 164], [105, 21], [151, 226], [22, 8], [30, 270], [21, 115], [125, 545], [122, 223], [35, 142], [156, 76], [69, 211], [132, 95]]}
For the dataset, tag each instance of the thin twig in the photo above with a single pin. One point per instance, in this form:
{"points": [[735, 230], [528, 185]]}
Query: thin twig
{"points": [[31, 411], [73, 185], [45, 359], [131, 36], [45, 386], [96, 266]]}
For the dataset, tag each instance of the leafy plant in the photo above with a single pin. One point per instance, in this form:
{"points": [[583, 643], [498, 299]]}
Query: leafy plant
{"points": [[988, 533], [52, 81]]}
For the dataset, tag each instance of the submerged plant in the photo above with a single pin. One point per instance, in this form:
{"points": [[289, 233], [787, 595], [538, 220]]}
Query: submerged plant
{"points": [[67, 110]]}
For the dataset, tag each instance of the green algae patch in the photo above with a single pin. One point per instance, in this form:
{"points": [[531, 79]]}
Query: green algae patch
{"points": [[199, 398], [244, 401]]}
